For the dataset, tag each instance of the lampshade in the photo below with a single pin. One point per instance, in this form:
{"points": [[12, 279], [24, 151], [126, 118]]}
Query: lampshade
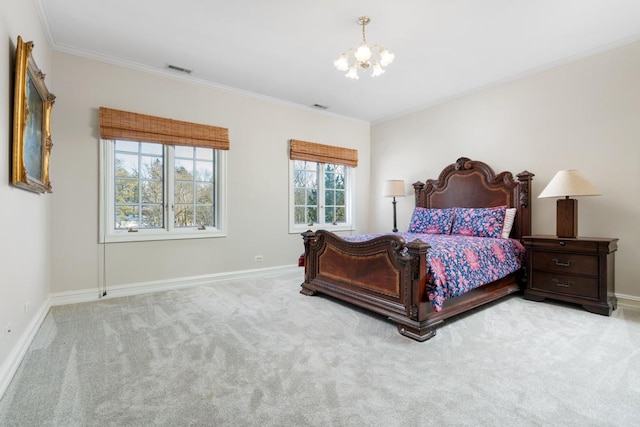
{"points": [[568, 183], [393, 188]]}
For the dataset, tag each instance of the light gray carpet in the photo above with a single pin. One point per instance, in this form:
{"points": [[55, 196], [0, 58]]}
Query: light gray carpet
{"points": [[257, 352]]}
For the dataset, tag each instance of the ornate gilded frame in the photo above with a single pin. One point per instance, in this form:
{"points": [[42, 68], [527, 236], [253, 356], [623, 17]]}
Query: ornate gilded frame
{"points": [[31, 124]]}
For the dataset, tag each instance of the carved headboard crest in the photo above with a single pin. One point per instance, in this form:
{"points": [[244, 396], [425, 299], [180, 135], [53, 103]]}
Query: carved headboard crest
{"points": [[472, 183], [462, 163]]}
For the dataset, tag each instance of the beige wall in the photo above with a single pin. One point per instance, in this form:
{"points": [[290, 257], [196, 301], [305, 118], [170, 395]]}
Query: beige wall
{"points": [[24, 235], [257, 181], [584, 115]]}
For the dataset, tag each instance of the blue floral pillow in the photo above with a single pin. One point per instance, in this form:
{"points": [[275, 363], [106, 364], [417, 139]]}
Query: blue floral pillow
{"points": [[431, 221], [479, 222]]}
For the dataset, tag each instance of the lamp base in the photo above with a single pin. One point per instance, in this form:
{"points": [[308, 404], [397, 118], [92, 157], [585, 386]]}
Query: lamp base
{"points": [[567, 218]]}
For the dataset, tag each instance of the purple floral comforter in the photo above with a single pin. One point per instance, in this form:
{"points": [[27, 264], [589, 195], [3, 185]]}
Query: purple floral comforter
{"points": [[456, 264]]}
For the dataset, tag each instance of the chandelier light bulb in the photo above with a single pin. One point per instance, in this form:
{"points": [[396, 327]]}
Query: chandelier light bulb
{"points": [[353, 72], [377, 70], [386, 57], [363, 53], [342, 63], [364, 57]]}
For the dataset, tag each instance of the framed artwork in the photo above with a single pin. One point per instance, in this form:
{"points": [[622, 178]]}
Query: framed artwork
{"points": [[31, 124]]}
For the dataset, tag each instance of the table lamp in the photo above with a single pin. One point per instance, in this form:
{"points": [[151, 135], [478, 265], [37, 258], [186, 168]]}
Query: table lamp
{"points": [[566, 184], [393, 188]]}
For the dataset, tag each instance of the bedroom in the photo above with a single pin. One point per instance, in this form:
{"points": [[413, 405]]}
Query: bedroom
{"points": [[580, 114]]}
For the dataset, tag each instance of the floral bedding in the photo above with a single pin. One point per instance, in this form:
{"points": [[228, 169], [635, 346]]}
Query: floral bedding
{"points": [[457, 264]]}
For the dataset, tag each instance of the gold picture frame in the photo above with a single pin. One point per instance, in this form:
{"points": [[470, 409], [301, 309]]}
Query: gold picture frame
{"points": [[31, 124]]}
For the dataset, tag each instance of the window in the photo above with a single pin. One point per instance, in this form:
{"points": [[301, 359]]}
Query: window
{"points": [[321, 187], [153, 191], [150, 190]]}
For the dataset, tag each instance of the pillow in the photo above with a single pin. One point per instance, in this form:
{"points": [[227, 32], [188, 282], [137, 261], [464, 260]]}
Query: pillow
{"points": [[431, 221], [479, 222], [509, 216]]}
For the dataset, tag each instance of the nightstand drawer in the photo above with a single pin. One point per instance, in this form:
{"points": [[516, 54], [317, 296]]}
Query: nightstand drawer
{"points": [[565, 284], [563, 262], [569, 245]]}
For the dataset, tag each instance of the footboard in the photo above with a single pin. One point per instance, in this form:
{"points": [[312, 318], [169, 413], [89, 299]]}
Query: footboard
{"points": [[385, 275]]}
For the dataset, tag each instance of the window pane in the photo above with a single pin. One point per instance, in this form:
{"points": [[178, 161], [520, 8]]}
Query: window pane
{"points": [[184, 169], [126, 165], [151, 167], [329, 198], [312, 197], [204, 154], [299, 178], [340, 198], [329, 180], [126, 190], [204, 194], [311, 180], [185, 152], [329, 215], [150, 148], [204, 216], [152, 192], [341, 215], [126, 217], [152, 216], [183, 216], [312, 215], [184, 192], [299, 196], [127, 146], [204, 171], [300, 216]]}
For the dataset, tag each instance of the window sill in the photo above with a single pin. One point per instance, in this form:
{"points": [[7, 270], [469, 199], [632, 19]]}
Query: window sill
{"points": [[316, 227], [151, 235]]}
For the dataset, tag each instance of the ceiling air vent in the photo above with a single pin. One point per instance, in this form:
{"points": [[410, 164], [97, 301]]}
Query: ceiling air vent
{"points": [[320, 106], [176, 68]]}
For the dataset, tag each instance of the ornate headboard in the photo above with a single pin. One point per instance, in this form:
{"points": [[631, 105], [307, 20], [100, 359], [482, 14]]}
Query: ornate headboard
{"points": [[473, 184]]}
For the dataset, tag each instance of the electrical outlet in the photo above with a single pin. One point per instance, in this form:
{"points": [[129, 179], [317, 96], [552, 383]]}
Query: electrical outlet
{"points": [[259, 258]]}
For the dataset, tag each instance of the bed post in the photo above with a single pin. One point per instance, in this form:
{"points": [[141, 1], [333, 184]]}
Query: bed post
{"points": [[309, 238], [417, 303], [524, 205]]}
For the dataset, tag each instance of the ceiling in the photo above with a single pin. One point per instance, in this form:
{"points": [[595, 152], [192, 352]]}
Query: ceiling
{"points": [[284, 49]]}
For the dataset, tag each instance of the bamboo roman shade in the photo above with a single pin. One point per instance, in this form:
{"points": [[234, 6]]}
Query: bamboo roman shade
{"points": [[310, 151], [123, 125]]}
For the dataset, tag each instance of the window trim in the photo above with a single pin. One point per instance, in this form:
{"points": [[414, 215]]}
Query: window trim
{"points": [[107, 231], [349, 225]]}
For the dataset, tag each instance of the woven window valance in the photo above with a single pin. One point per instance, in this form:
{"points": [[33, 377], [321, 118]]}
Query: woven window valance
{"points": [[123, 125], [311, 151]]}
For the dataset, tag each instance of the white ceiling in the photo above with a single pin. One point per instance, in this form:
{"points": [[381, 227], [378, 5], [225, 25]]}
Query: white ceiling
{"points": [[284, 49]]}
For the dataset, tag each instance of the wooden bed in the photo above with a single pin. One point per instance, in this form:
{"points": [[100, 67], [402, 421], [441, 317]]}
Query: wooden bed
{"points": [[388, 275]]}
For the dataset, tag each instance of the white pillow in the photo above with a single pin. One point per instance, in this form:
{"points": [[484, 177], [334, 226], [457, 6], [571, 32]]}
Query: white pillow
{"points": [[509, 216]]}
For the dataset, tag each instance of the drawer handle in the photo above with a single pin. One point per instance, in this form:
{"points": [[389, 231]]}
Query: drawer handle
{"points": [[562, 264], [562, 285]]}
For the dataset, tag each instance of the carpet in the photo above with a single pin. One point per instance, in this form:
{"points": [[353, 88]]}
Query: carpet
{"points": [[257, 352]]}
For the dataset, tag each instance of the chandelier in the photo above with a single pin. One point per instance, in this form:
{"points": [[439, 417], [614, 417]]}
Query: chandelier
{"points": [[364, 57]]}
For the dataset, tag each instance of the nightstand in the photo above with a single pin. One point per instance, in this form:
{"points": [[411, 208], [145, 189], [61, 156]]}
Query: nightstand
{"points": [[579, 270]]}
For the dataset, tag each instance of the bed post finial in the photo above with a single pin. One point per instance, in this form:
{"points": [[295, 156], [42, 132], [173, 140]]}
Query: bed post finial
{"points": [[461, 163]]}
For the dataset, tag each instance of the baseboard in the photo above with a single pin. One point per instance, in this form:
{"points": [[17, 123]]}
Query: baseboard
{"points": [[628, 301], [10, 366], [130, 289]]}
